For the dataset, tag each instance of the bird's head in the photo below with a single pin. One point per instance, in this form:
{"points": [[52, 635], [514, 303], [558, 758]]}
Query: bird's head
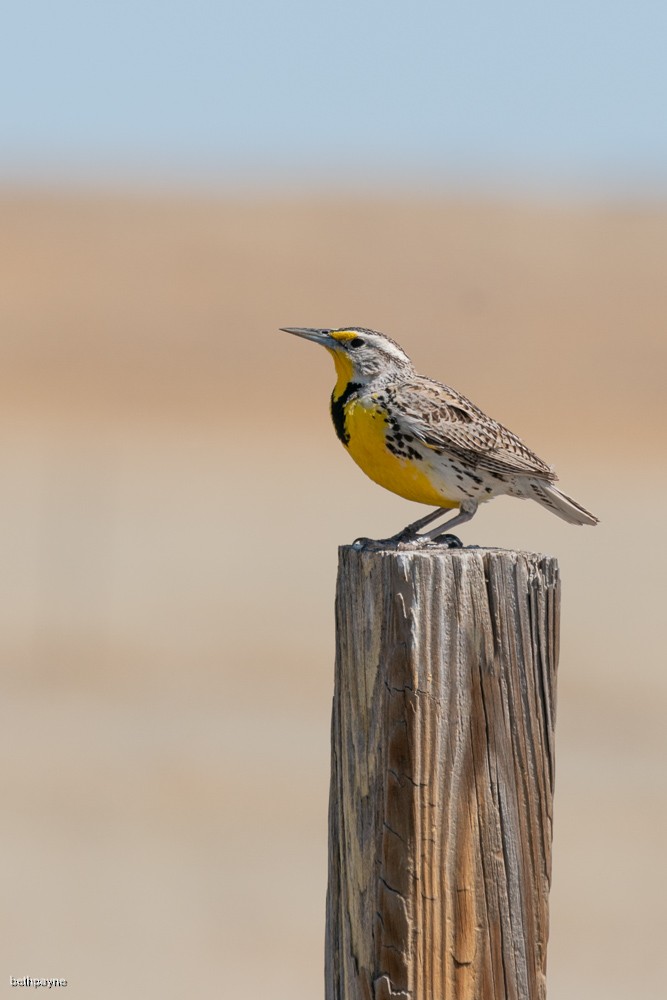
{"points": [[360, 355]]}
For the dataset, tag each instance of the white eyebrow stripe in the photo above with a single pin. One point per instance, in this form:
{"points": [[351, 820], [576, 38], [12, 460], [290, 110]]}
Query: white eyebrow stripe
{"points": [[388, 347]]}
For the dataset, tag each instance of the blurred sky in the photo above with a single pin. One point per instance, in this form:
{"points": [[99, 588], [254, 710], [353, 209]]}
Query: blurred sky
{"points": [[520, 94]]}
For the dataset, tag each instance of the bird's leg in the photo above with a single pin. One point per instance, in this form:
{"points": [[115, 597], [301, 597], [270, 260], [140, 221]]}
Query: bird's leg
{"points": [[467, 511], [410, 531]]}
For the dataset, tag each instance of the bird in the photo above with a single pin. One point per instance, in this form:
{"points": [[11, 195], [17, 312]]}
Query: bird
{"points": [[426, 441]]}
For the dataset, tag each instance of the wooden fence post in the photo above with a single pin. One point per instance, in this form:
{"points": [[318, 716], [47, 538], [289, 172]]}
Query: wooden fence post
{"points": [[442, 774]]}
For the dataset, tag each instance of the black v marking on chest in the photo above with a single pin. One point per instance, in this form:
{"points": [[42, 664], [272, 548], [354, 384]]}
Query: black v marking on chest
{"points": [[338, 410]]}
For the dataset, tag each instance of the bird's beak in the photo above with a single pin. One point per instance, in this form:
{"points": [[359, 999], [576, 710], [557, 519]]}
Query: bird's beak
{"points": [[318, 336]]}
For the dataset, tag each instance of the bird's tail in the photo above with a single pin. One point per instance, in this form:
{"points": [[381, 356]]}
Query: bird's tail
{"points": [[559, 503]]}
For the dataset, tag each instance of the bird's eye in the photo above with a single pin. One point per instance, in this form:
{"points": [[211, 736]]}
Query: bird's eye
{"points": [[356, 342]]}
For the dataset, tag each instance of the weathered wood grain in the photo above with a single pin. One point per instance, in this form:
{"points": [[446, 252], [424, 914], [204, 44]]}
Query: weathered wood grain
{"points": [[442, 775]]}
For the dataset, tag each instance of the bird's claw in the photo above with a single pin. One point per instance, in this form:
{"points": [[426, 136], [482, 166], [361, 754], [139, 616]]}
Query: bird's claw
{"points": [[361, 543], [451, 541]]}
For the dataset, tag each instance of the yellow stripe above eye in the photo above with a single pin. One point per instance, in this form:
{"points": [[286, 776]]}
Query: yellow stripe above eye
{"points": [[344, 335]]}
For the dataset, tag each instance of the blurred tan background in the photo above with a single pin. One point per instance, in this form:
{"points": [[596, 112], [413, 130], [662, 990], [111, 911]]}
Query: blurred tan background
{"points": [[173, 495]]}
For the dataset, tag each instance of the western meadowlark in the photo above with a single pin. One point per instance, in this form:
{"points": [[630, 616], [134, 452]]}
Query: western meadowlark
{"points": [[424, 440]]}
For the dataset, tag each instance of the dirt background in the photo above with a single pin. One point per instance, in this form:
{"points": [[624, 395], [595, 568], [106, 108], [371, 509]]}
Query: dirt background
{"points": [[172, 498]]}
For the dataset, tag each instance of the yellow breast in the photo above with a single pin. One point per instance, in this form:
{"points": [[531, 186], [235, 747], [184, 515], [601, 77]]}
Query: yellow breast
{"points": [[367, 427]]}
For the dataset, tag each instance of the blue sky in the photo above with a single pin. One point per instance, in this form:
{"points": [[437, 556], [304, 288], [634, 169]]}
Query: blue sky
{"points": [[487, 93]]}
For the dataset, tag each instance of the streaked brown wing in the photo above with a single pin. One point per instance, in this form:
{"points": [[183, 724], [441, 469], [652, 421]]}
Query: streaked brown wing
{"points": [[445, 421]]}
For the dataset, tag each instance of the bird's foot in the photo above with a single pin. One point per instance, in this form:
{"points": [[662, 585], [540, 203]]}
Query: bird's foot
{"points": [[403, 538], [408, 539], [450, 541], [406, 535]]}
